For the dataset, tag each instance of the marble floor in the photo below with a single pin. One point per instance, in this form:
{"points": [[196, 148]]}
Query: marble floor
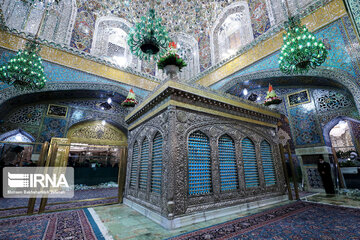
{"points": [[125, 223], [340, 200]]}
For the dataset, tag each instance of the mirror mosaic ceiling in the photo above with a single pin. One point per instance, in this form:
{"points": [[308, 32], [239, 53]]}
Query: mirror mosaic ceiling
{"points": [[206, 31]]}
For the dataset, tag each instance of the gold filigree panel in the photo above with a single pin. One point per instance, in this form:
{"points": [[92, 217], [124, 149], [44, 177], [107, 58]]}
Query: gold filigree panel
{"points": [[314, 21], [96, 133]]}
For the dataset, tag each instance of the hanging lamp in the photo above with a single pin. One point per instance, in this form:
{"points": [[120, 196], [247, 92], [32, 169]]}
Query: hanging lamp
{"points": [[301, 50], [25, 69], [148, 39], [130, 100]]}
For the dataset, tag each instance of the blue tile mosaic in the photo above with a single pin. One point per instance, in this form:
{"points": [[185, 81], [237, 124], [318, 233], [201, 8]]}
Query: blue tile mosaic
{"points": [[335, 39], [57, 73]]}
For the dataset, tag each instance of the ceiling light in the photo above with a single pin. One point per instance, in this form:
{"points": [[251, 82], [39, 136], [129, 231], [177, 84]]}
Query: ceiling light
{"points": [[148, 39]]}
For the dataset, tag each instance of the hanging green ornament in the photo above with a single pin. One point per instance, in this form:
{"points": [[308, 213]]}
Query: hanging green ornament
{"points": [[301, 50], [25, 69], [130, 101]]}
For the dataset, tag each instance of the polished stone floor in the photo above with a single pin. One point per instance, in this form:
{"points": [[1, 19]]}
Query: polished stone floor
{"points": [[340, 200], [125, 223]]}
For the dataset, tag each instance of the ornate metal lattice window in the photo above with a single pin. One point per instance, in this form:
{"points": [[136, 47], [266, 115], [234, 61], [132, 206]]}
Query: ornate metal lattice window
{"points": [[267, 163], [199, 164], [227, 162], [250, 163], [144, 163], [156, 166], [134, 164]]}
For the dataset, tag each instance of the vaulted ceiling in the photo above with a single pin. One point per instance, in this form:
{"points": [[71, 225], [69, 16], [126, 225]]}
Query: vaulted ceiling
{"points": [[207, 30]]}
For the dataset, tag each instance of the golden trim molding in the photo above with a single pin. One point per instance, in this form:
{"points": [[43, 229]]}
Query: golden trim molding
{"points": [[202, 93], [13, 42], [318, 19], [77, 128], [199, 109]]}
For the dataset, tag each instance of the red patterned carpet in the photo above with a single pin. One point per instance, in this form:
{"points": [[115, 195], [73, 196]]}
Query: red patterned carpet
{"points": [[75, 224], [299, 220]]}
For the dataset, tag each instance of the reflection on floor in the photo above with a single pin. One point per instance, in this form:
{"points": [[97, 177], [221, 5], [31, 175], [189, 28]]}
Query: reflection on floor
{"points": [[123, 222], [340, 200]]}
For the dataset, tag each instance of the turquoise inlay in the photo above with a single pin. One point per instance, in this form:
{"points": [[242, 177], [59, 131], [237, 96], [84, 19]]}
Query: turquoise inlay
{"points": [[199, 164], [156, 166], [268, 163], [250, 163], [227, 162], [134, 165], [144, 163]]}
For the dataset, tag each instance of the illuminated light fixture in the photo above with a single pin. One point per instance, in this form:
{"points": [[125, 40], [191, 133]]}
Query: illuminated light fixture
{"points": [[25, 69], [148, 39], [301, 50], [109, 100], [103, 122], [245, 92]]}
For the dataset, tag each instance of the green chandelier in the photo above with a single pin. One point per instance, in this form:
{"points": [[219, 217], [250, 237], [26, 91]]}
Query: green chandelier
{"points": [[148, 39], [25, 69], [301, 50]]}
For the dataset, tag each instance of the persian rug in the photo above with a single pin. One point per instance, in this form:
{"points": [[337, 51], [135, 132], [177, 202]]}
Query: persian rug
{"points": [[79, 195], [75, 224], [299, 220]]}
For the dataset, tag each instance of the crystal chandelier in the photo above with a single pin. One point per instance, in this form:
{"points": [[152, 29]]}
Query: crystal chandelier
{"points": [[301, 50], [25, 69], [148, 39]]}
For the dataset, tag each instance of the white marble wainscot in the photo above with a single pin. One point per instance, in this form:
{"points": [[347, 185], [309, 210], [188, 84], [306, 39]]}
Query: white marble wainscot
{"points": [[201, 216]]}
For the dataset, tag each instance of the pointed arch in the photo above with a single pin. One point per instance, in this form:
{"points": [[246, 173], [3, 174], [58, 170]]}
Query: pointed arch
{"points": [[199, 164], [156, 163], [267, 163], [234, 22], [250, 163], [144, 164], [110, 41], [58, 23], [134, 165], [17, 135], [227, 164], [188, 49]]}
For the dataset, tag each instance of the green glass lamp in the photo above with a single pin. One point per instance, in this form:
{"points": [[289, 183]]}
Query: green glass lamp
{"points": [[148, 39], [25, 69], [301, 50]]}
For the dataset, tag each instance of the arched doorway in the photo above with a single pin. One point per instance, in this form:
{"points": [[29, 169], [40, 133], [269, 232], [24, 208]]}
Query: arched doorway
{"points": [[342, 134]]}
